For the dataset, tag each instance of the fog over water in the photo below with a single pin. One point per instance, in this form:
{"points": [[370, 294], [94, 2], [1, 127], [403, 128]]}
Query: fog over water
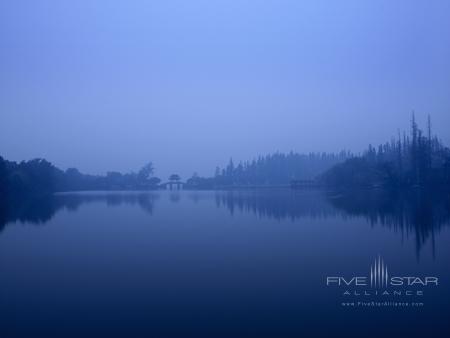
{"points": [[109, 85]]}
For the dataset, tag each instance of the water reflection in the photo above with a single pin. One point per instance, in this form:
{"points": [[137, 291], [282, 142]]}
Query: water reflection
{"points": [[418, 213], [415, 214], [279, 204], [41, 210], [36, 211]]}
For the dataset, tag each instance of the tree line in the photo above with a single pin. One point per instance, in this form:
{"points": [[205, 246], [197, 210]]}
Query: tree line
{"points": [[273, 169], [415, 160], [40, 177]]}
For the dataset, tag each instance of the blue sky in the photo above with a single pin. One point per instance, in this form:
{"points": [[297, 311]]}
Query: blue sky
{"points": [[109, 85]]}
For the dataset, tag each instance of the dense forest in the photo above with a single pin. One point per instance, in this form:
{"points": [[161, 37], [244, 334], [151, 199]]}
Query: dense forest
{"points": [[40, 177], [416, 160], [270, 170]]}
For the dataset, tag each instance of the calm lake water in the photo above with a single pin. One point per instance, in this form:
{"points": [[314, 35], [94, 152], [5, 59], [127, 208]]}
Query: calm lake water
{"points": [[222, 264]]}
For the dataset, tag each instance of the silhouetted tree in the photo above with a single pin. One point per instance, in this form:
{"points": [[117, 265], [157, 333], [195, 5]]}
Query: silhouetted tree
{"points": [[146, 172], [418, 161]]}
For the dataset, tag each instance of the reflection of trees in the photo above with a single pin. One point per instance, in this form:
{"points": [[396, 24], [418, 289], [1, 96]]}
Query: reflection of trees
{"points": [[277, 203], [72, 201], [41, 210], [37, 211], [417, 212]]}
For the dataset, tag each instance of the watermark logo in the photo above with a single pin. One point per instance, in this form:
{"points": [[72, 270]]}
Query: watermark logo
{"points": [[381, 283], [379, 276]]}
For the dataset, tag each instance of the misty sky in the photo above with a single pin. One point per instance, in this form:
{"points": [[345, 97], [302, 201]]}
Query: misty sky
{"points": [[109, 85]]}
